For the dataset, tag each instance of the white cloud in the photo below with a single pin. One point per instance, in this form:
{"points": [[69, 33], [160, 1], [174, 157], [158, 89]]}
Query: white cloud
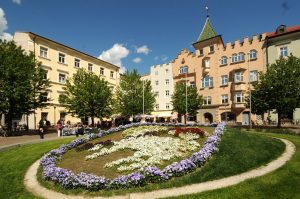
{"points": [[164, 58], [3, 22], [3, 27], [143, 49], [17, 2], [156, 57], [137, 60], [115, 55]]}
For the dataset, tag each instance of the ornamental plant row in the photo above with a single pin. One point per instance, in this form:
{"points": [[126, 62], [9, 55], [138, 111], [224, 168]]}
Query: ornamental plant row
{"points": [[70, 180]]}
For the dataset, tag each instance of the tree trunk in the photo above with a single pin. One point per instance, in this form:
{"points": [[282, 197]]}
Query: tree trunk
{"points": [[279, 119], [185, 119], [92, 121]]}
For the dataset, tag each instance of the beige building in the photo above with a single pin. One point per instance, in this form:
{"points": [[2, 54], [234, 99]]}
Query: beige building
{"points": [[61, 62], [222, 74], [283, 42]]}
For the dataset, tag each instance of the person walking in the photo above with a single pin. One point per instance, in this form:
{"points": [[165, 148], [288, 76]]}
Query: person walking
{"points": [[59, 128], [41, 129]]}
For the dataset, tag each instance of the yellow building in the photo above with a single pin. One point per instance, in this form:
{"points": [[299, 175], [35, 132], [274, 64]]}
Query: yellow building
{"points": [[61, 62], [222, 74]]}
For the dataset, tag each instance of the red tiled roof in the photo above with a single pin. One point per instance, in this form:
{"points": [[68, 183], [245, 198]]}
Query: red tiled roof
{"points": [[288, 30]]}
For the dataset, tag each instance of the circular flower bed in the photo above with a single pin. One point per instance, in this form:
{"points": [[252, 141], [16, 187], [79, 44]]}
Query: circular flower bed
{"points": [[68, 179]]}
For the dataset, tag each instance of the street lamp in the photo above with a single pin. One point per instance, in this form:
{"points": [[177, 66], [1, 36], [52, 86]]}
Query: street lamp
{"points": [[186, 113], [143, 99], [250, 123]]}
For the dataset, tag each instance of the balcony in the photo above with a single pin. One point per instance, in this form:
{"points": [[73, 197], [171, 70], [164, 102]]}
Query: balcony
{"points": [[237, 105], [240, 86], [206, 70]]}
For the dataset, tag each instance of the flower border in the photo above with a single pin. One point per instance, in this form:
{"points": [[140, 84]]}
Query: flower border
{"points": [[70, 180]]}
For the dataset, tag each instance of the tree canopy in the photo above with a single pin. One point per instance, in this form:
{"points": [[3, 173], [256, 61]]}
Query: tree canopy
{"points": [[87, 95], [279, 88], [129, 95], [194, 100], [22, 83]]}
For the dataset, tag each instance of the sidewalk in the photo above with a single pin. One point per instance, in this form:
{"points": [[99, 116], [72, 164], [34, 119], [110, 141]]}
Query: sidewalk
{"points": [[15, 141]]}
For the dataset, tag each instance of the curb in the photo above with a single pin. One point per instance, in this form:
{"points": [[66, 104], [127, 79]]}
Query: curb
{"points": [[33, 185]]}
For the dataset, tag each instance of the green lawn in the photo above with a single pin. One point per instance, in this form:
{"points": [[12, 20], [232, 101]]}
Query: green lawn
{"points": [[239, 152], [283, 183], [14, 164]]}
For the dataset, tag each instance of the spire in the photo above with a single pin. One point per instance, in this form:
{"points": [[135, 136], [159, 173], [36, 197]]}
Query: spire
{"points": [[207, 31]]}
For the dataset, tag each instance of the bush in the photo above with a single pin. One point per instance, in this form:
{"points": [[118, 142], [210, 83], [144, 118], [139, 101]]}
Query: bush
{"points": [[189, 130]]}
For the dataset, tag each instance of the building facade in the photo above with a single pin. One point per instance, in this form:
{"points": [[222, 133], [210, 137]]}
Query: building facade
{"points": [[283, 42], [61, 62], [161, 78], [222, 74]]}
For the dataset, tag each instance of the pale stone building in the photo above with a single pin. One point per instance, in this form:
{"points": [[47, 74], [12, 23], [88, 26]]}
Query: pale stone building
{"points": [[161, 78], [61, 62], [283, 42]]}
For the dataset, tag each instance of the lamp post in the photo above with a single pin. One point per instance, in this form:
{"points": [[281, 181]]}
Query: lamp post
{"points": [[250, 122], [186, 71], [143, 99]]}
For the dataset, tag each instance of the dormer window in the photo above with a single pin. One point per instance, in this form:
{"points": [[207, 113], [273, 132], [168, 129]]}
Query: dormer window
{"points": [[281, 29], [201, 51], [211, 49]]}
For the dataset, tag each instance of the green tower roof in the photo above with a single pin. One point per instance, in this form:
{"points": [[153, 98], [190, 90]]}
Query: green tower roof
{"points": [[207, 31]]}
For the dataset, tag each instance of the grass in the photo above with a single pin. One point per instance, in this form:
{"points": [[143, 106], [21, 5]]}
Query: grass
{"points": [[96, 166], [238, 153], [283, 183], [14, 164]]}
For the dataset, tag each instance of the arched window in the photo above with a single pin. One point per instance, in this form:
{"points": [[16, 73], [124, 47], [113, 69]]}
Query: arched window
{"points": [[234, 58], [224, 60], [241, 56], [252, 54]]}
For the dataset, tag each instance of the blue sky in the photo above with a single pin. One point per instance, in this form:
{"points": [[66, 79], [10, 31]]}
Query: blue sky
{"points": [[141, 33]]}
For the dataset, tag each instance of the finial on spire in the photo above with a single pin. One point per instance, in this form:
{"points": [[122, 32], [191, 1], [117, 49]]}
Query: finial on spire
{"points": [[206, 8]]}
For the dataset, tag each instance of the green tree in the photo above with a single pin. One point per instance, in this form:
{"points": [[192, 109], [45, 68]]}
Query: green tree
{"points": [[128, 99], [22, 82], [279, 88], [194, 100], [87, 95]]}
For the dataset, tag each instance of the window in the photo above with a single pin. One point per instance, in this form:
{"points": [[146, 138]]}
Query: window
{"points": [[207, 82], [207, 100], [61, 78], [90, 67], [234, 58], [157, 106], [101, 71], [156, 82], [44, 97], [206, 63], [192, 84], [156, 94], [211, 49], [224, 60], [45, 74], [253, 76], [241, 57], [224, 99], [167, 106], [156, 72], [111, 74], [252, 54], [239, 97], [183, 69], [44, 52], [283, 51], [238, 77], [167, 71], [61, 58], [201, 52], [224, 80], [76, 63], [167, 93], [167, 81]]}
